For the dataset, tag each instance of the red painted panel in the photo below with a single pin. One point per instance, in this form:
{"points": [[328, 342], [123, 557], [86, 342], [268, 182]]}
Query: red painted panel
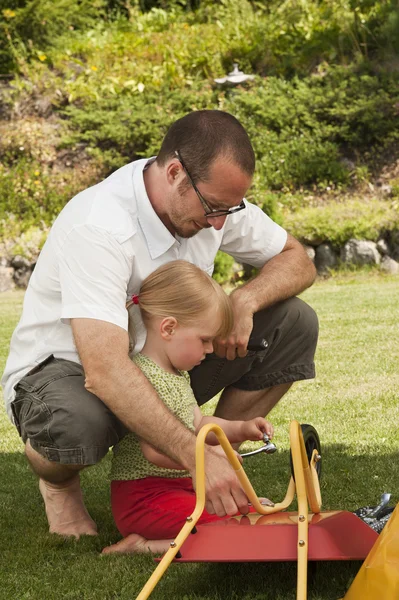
{"points": [[336, 535]]}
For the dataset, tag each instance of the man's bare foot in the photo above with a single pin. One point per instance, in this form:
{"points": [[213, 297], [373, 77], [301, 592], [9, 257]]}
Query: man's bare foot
{"points": [[135, 543], [65, 510]]}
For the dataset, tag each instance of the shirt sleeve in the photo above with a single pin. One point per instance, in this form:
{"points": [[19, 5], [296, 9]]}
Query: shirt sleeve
{"points": [[94, 272], [251, 237]]}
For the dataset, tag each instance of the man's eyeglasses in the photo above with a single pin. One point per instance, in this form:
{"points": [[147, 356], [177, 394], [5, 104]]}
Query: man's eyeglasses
{"points": [[209, 212]]}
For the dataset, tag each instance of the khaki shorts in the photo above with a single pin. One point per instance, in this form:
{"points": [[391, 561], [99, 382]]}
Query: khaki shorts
{"points": [[67, 424]]}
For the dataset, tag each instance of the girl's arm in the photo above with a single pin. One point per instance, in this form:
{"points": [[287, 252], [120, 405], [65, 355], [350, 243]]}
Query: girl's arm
{"points": [[236, 431], [157, 458]]}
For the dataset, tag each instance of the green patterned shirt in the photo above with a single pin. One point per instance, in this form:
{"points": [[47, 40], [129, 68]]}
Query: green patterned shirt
{"points": [[175, 391]]}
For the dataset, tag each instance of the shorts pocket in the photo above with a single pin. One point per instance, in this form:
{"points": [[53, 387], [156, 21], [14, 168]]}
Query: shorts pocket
{"points": [[32, 418]]}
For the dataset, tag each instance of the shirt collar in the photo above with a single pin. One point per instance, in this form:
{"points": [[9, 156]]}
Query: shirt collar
{"points": [[158, 237]]}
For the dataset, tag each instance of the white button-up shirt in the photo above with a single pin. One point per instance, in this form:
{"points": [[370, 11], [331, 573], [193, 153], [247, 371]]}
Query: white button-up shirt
{"points": [[103, 244]]}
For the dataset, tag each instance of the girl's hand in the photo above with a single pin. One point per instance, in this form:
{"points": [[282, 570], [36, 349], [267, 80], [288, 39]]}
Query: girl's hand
{"points": [[255, 428]]}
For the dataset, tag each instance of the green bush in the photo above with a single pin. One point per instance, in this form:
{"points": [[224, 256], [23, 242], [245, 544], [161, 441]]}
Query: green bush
{"points": [[223, 267], [321, 111], [290, 38], [337, 222], [29, 27], [122, 129], [31, 195], [301, 130]]}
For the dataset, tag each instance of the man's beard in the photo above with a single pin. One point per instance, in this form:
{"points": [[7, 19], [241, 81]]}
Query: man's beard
{"points": [[183, 233], [182, 228]]}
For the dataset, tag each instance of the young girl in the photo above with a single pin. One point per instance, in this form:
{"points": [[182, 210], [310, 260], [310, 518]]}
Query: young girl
{"points": [[183, 310]]}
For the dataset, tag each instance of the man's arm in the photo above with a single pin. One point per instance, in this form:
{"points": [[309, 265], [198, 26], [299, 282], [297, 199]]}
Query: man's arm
{"points": [[158, 458], [283, 276], [121, 385]]}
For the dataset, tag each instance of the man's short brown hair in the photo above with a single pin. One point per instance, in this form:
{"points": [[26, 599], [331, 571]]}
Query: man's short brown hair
{"points": [[204, 135]]}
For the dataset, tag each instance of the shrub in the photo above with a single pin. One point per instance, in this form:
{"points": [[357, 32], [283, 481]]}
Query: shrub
{"points": [[29, 27], [223, 267], [133, 125], [33, 196], [337, 222]]}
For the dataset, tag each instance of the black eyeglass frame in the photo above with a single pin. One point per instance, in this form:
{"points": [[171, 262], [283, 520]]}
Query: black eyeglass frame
{"points": [[209, 212]]}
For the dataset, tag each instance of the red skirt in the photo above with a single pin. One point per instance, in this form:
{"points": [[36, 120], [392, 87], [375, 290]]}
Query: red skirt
{"points": [[155, 507]]}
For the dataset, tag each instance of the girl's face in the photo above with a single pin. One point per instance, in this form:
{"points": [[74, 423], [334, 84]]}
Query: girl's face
{"points": [[189, 345]]}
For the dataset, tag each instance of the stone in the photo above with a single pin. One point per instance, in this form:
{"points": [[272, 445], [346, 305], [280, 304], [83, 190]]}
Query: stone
{"points": [[6, 279], [382, 247], [360, 252], [394, 243], [348, 164], [389, 265], [386, 190], [310, 251], [22, 276], [325, 258], [43, 107], [20, 262]]}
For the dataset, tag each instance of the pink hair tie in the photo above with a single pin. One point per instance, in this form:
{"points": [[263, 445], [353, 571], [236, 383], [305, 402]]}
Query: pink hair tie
{"points": [[135, 299]]}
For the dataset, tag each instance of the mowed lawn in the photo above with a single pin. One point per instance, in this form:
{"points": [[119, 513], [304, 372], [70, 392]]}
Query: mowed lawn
{"points": [[353, 403]]}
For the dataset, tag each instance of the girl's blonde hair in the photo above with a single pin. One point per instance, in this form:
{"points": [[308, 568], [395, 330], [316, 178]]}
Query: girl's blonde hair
{"points": [[182, 290]]}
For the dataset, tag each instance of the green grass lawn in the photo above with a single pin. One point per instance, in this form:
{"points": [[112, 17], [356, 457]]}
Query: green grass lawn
{"points": [[353, 404]]}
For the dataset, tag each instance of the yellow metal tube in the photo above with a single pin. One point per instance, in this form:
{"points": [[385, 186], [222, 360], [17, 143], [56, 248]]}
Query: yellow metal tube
{"points": [[306, 485], [313, 485], [191, 520], [298, 453]]}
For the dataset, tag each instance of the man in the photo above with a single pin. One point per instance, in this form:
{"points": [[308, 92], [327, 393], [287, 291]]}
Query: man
{"points": [[70, 387]]}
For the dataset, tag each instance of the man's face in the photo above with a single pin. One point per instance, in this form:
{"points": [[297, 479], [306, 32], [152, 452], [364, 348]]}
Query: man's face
{"points": [[225, 188]]}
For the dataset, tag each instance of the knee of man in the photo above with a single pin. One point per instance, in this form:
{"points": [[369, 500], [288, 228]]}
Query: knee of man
{"points": [[306, 321], [292, 318]]}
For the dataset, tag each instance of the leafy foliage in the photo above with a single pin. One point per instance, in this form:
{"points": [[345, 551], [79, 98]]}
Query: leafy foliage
{"points": [[337, 223], [322, 112], [29, 27]]}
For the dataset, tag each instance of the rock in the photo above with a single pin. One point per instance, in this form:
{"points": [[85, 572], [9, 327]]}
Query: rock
{"points": [[389, 265], [348, 164], [22, 276], [310, 251], [360, 252], [325, 258], [6, 280], [386, 190], [382, 247], [43, 107], [394, 243], [20, 262]]}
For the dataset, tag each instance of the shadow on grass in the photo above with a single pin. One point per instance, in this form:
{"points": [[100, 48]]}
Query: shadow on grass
{"points": [[39, 566]]}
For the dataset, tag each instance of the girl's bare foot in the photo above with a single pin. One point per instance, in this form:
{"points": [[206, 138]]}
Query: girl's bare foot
{"points": [[264, 502], [135, 543], [65, 510]]}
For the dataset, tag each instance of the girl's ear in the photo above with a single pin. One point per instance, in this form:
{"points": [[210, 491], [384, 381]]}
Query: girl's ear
{"points": [[167, 327]]}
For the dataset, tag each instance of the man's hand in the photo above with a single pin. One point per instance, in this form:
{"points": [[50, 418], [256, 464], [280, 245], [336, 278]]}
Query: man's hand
{"points": [[237, 342], [283, 276], [224, 494]]}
